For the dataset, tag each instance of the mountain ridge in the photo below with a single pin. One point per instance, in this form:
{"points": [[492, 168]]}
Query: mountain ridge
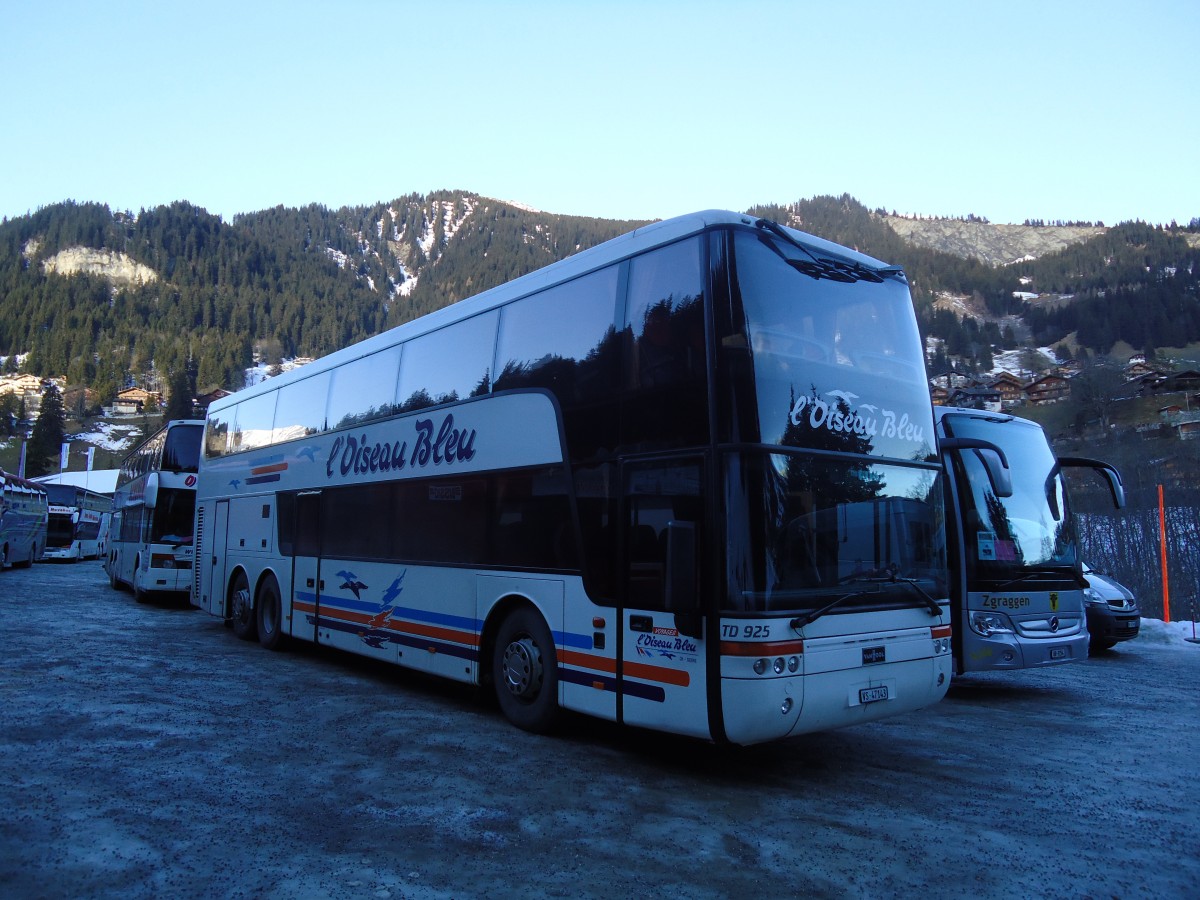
{"points": [[212, 295]]}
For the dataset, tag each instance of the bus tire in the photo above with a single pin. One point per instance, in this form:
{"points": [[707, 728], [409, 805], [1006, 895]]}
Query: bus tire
{"points": [[268, 615], [241, 611], [525, 671], [3, 557], [28, 562]]}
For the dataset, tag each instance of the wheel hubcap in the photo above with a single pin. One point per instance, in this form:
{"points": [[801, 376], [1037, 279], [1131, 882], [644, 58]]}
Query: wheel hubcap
{"points": [[241, 604], [523, 673]]}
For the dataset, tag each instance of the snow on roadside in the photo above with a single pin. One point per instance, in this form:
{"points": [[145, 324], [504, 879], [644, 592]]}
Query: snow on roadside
{"points": [[1167, 635]]}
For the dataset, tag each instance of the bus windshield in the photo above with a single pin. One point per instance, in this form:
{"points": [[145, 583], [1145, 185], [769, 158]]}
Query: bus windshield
{"points": [[1009, 537], [809, 531], [847, 510], [836, 363], [172, 520], [181, 450]]}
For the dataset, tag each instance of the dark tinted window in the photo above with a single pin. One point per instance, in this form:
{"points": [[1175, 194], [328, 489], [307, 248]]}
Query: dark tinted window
{"points": [[453, 363], [181, 452], [666, 387], [509, 520]]}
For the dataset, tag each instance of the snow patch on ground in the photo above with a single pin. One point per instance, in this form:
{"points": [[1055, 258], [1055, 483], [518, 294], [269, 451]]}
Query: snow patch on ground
{"points": [[115, 438]]}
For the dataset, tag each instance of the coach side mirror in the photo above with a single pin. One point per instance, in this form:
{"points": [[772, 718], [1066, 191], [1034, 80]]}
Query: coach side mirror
{"points": [[150, 494], [1116, 486], [995, 463]]}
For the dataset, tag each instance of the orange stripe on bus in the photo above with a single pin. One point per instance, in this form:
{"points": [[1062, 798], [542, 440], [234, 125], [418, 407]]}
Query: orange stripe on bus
{"points": [[263, 470], [406, 627], [637, 670], [762, 648]]}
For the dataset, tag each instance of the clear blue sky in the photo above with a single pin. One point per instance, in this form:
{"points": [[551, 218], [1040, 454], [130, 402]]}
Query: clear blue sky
{"points": [[1009, 110]]}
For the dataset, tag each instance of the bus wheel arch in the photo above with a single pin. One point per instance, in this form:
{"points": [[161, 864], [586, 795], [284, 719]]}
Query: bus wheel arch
{"points": [[139, 594], [241, 606], [268, 612], [523, 663]]}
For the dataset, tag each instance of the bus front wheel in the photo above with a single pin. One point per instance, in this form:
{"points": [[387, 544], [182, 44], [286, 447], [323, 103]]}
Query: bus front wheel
{"points": [[525, 671], [269, 615], [241, 612]]}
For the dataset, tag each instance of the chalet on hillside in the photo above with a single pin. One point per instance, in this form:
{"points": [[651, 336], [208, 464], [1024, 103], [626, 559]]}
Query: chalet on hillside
{"points": [[202, 402], [976, 398], [939, 395], [1047, 389], [1011, 388], [132, 401]]}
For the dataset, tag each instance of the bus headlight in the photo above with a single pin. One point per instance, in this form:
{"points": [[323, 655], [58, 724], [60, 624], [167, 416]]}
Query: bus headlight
{"points": [[778, 665], [989, 623], [760, 666]]}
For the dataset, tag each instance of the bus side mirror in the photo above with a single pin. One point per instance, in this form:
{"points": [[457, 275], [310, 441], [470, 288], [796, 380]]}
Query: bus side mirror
{"points": [[680, 588], [150, 495], [1116, 486], [995, 463]]}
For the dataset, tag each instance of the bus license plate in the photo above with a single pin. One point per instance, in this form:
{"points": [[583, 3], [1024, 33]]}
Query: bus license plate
{"points": [[872, 695], [1058, 653]]}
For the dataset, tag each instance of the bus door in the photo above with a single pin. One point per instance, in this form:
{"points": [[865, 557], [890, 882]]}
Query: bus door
{"points": [[306, 567], [662, 668], [212, 599]]}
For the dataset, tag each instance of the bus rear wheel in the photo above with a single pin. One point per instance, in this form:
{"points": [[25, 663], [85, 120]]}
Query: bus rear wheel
{"points": [[525, 671], [269, 615], [241, 612]]}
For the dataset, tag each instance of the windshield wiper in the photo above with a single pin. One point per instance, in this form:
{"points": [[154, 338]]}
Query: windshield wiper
{"points": [[1043, 572], [934, 607], [809, 618], [824, 267]]}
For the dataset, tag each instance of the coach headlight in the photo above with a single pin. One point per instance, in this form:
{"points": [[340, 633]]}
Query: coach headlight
{"points": [[760, 666], [989, 623]]}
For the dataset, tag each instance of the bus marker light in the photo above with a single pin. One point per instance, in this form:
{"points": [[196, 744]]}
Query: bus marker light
{"points": [[597, 621], [760, 666], [787, 706]]}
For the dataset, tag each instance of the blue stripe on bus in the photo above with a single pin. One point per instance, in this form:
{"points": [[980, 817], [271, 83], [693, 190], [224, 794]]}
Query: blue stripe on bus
{"points": [[609, 683], [466, 623], [262, 479], [385, 635]]}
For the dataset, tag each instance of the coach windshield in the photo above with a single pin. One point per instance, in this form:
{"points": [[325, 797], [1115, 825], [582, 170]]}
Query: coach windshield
{"points": [[825, 408]]}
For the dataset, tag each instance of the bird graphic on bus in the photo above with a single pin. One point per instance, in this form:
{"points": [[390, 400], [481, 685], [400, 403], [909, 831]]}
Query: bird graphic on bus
{"points": [[378, 622], [351, 583], [310, 452]]}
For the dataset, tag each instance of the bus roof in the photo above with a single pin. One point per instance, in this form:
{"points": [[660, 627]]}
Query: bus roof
{"points": [[647, 237]]}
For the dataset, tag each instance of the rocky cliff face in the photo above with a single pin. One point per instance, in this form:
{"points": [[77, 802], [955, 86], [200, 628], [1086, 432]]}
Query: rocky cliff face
{"points": [[113, 265], [996, 245]]}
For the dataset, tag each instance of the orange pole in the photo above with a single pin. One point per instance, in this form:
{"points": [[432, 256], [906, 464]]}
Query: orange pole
{"points": [[1162, 551]]}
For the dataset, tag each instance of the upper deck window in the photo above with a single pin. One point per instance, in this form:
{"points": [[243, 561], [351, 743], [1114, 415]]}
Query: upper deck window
{"points": [[813, 361]]}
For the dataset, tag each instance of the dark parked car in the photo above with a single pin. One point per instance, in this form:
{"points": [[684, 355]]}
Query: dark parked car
{"points": [[1112, 610]]}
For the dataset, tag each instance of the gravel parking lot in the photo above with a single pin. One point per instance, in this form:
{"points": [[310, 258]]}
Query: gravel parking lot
{"points": [[148, 752]]}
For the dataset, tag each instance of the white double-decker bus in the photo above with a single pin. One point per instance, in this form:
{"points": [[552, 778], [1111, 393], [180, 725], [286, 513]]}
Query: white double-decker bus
{"points": [[1018, 580], [153, 512], [685, 480], [23, 516], [77, 515]]}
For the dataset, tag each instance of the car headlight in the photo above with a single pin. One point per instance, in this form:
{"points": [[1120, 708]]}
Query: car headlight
{"points": [[989, 623], [1092, 598]]}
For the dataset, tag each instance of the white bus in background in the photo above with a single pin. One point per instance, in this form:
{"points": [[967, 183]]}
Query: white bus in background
{"points": [[149, 544], [1017, 579], [23, 516], [77, 516], [685, 480]]}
